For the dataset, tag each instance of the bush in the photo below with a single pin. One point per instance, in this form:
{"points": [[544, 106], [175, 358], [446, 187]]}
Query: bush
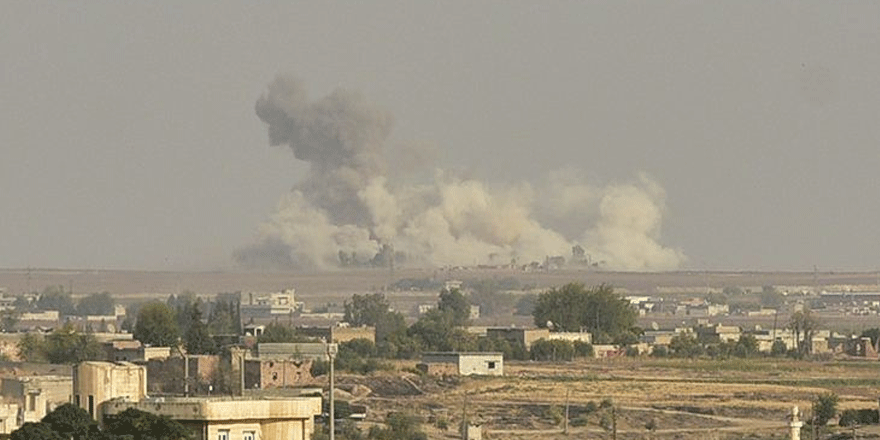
{"points": [[855, 417], [554, 413]]}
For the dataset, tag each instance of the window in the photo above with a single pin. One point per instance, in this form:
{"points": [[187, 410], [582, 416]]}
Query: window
{"points": [[250, 435], [223, 434], [491, 365], [32, 402], [92, 406]]}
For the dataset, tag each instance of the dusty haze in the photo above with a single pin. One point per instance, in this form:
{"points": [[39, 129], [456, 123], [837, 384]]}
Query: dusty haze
{"points": [[699, 135]]}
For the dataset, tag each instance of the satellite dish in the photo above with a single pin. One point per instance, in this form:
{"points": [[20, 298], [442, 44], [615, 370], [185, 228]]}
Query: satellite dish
{"points": [[550, 324], [654, 325]]}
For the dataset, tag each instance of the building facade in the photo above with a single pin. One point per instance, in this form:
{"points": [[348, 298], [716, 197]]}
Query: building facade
{"points": [[233, 419]]}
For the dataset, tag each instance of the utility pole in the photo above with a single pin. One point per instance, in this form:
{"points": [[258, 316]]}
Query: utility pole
{"points": [[614, 423], [331, 353], [464, 419], [565, 425]]}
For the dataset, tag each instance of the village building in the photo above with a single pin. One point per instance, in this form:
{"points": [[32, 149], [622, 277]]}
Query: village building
{"points": [[463, 363], [97, 382], [35, 396], [226, 418]]}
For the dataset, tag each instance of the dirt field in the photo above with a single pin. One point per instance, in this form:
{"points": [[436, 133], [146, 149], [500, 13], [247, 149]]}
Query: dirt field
{"points": [[678, 399]]}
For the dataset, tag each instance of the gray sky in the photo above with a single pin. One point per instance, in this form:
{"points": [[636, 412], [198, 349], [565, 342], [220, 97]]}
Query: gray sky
{"points": [[128, 137]]}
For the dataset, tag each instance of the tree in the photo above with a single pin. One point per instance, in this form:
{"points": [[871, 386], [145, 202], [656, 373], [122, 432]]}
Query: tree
{"points": [[197, 339], [156, 325], [438, 331], [66, 345], [35, 431], [824, 408], [803, 324], [778, 348], [399, 426], [70, 421], [279, 333], [96, 304], [685, 345], [31, 348], [9, 319], [452, 301], [141, 425], [573, 308], [374, 310], [770, 297], [224, 317], [55, 298]]}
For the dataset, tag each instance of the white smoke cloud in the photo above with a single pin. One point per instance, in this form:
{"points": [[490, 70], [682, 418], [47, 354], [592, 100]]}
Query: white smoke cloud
{"points": [[350, 211]]}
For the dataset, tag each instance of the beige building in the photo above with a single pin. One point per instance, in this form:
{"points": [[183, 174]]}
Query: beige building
{"points": [[97, 382], [233, 419], [36, 396], [465, 363], [522, 336]]}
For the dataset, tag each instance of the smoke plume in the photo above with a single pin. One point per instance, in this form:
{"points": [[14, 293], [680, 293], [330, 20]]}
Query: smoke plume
{"points": [[349, 210]]}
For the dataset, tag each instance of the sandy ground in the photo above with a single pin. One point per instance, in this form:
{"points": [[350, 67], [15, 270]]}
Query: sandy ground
{"points": [[655, 399]]}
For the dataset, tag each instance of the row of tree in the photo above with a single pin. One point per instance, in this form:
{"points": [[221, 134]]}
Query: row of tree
{"points": [[70, 422]]}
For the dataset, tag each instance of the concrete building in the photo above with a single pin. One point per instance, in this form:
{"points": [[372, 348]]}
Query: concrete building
{"points": [[36, 396], [238, 419], [131, 350], [464, 363], [282, 373], [8, 418], [97, 382], [166, 375], [259, 305], [522, 336], [292, 350], [585, 337], [338, 333]]}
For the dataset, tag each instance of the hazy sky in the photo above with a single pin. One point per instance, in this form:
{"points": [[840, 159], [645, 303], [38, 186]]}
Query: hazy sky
{"points": [[128, 137]]}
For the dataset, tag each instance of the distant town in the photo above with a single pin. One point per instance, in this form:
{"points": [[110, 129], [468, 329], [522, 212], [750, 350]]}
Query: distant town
{"points": [[251, 364]]}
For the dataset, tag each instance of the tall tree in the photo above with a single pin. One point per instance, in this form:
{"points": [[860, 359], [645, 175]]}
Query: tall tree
{"points": [[374, 310], [573, 308], [197, 339], [452, 301], [95, 304], [55, 298], [803, 324], [156, 325], [66, 345]]}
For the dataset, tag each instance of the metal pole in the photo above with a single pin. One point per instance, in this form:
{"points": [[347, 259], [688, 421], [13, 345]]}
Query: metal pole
{"points": [[331, 353]]}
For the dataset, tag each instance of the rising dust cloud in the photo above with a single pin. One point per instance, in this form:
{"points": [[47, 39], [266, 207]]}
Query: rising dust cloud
{"points": [[352, 211]]}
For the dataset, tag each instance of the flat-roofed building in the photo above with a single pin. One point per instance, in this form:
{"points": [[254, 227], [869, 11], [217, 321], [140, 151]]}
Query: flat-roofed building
{"points": [[36, 396], [522, 336], [97, 382], [463, 363], [233, 419]]}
